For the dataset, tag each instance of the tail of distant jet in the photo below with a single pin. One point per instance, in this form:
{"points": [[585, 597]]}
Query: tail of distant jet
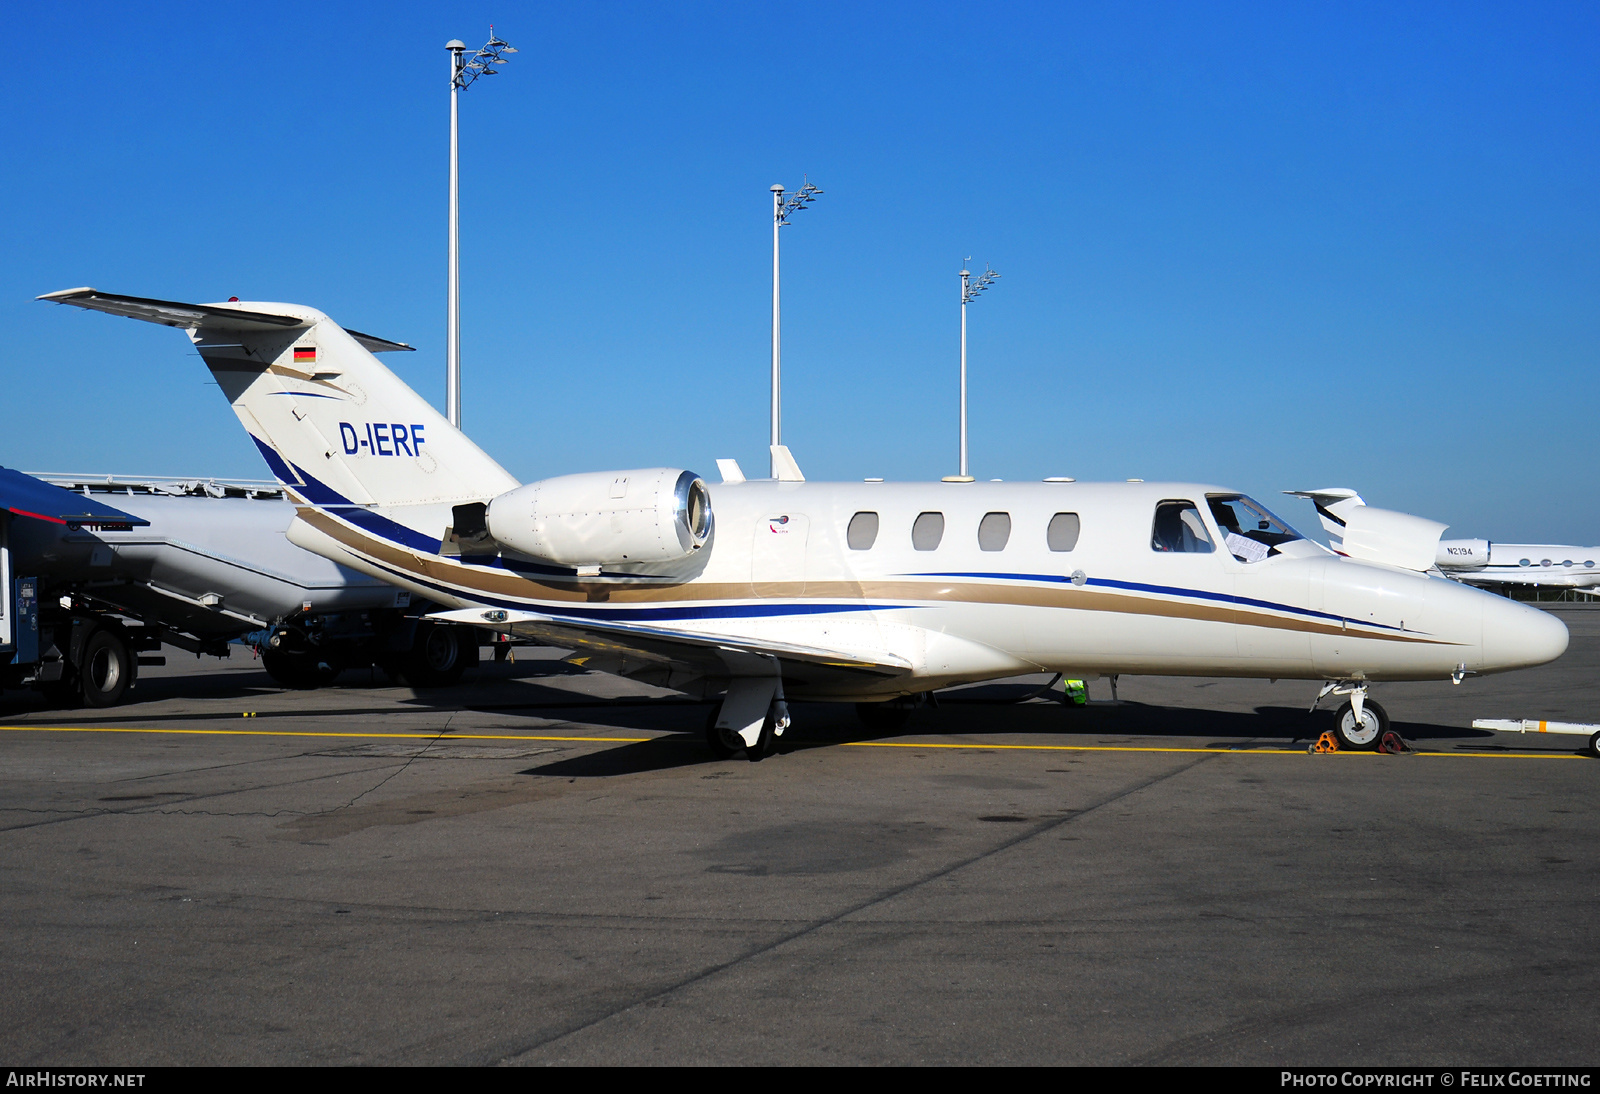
{"points": [[331, 421]]}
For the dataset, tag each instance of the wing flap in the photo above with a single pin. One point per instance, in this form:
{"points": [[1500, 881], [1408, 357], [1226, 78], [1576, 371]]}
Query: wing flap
{"points": [[704, 651]]}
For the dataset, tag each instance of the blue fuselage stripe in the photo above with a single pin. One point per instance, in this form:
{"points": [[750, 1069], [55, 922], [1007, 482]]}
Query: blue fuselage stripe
{"points": [[1167, 590], [688, 611]]}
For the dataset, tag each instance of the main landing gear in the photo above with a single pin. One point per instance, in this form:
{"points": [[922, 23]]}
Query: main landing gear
{"points": [[750, 718], [1360, 723]]}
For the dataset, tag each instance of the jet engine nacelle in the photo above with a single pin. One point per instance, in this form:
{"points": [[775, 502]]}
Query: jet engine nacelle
{"points": [[1462, 554], [605, 518]]}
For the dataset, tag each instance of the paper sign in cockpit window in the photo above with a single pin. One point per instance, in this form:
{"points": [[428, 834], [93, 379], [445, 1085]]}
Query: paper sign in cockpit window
{"points": [[1245, 548]]}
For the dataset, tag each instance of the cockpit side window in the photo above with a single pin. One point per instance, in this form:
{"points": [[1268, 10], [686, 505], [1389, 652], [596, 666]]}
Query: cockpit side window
{"points": [[1178, 528], [1249, 530]]}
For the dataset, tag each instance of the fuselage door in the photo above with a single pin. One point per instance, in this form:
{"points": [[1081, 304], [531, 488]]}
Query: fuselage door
{"points": [[1184, 565], [778, 555]]}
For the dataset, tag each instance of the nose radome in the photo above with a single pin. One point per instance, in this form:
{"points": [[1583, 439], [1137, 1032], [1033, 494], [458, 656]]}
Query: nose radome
{"points": [[1516, 636]]}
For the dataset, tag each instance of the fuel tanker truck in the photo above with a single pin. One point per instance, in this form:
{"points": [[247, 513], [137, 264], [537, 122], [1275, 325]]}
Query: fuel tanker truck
{"points": [[97, 573]]}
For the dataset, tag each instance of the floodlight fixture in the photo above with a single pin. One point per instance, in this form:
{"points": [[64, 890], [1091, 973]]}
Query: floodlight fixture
{"points": [[970, 289]]}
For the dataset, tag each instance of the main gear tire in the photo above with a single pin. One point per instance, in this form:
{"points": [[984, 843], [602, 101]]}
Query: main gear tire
{"points": [[725, 744], [440, 655]]}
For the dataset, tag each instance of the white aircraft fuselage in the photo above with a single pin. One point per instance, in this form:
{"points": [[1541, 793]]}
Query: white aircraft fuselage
{"points": [[1555, 564], [779, 570]]}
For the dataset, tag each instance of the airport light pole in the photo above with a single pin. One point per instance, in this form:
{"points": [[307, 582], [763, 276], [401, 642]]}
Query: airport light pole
{"points": [[969, 292], [781, 210], [462, 73]]}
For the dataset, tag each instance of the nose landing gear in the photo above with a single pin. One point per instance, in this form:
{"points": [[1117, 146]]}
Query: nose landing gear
{"points": [[1360, 724]]}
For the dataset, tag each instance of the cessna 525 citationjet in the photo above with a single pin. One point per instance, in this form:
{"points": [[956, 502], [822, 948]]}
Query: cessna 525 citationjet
{"points": [[870, 592]]}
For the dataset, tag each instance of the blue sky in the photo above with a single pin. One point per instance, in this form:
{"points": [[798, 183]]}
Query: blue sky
{"points": [[1272, 246]]}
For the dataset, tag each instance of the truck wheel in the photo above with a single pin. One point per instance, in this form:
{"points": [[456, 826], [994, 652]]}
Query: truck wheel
{"points": [[301, 672], [440, 654], [107, 670]]}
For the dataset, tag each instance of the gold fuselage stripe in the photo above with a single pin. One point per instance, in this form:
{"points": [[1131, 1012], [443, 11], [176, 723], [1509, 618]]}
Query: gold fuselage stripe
{"points": [[577, 591]]}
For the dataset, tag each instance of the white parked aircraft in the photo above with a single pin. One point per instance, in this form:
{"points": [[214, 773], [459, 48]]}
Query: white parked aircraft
{"points": [[869, 591], [1357, 527]]}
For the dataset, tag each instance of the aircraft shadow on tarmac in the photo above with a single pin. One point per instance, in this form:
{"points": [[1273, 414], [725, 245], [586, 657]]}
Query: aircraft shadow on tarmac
{"points": [[828, 725], [513, 690]]}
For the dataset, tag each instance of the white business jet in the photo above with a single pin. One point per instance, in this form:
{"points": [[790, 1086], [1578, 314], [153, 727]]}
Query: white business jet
{"points": [[869, 592], [1346, 517]]}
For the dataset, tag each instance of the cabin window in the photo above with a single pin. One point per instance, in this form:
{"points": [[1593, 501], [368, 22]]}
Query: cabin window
{"points": [[1178, 527], [863, 531], [927, 531], [993, 531], [1062, 535]]}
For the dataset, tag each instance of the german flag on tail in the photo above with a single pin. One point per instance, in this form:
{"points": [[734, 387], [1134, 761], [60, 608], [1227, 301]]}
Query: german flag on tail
{"points": [[305, 355]]}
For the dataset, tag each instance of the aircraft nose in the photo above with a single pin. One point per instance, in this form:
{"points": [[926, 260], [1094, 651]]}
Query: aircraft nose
{"points": [[1516, 636]]}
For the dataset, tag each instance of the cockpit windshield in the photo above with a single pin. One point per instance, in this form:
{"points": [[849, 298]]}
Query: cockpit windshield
{"points": [[1249, 530]]}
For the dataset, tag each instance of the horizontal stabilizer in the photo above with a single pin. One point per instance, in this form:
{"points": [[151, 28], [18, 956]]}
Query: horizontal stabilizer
{"points": [[171, 313]]}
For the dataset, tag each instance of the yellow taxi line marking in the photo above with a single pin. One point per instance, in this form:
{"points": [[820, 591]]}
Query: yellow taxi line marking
{"points": [[846, 744], [1228, 751], [309, 733]]}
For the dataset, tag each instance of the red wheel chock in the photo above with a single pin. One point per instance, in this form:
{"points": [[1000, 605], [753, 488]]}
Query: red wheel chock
{"points": [[1394, 745]]}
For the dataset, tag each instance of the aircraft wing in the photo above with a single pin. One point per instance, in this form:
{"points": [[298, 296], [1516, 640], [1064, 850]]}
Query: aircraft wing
{"points": [[671, 657], [172, 313]]}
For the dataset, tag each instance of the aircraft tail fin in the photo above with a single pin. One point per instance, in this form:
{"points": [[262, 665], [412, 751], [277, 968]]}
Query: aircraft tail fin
{"points": [[332, 421]]}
